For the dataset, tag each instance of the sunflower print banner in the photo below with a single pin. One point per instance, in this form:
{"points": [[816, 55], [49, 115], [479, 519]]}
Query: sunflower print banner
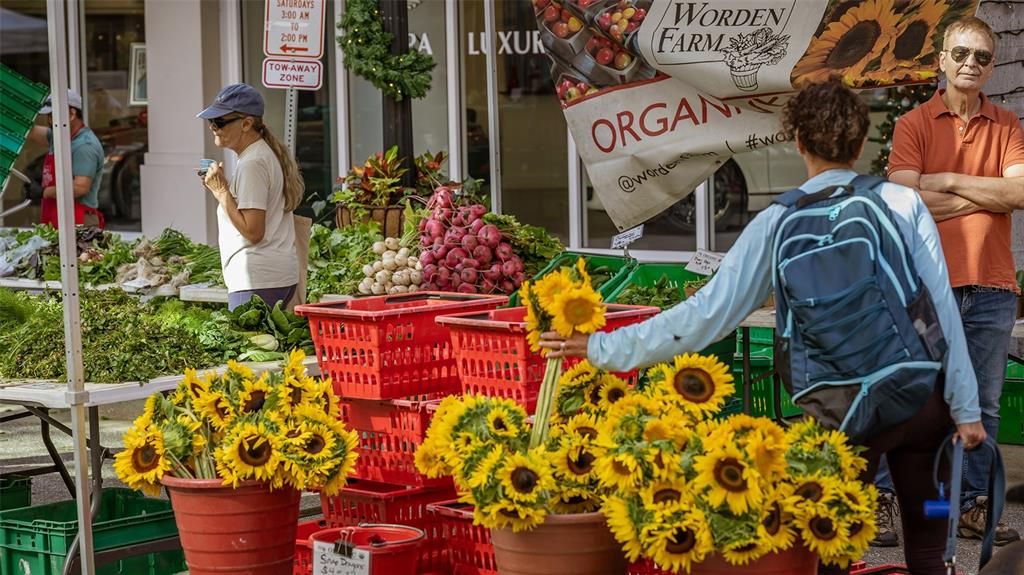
{"points": [[659, 93]]}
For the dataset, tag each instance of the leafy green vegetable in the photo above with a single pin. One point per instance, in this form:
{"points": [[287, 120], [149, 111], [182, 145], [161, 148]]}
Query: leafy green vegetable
{"points": [[662, 294], [336, 258]]}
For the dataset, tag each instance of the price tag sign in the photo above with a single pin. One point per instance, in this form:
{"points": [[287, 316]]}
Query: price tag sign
{"points": [[627, 237], [327, 562], [704, 262]]}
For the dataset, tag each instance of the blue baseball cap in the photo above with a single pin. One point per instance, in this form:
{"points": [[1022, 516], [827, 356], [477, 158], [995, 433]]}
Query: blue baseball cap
{"points": [[74, 101], [241, 98]]}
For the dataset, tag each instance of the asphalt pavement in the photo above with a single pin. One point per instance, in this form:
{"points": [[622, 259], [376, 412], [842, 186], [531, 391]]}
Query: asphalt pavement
{"points": [[21, 448]]}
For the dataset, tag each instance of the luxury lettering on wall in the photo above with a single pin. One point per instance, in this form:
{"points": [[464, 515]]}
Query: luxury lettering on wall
{"points": [[520, 42]]}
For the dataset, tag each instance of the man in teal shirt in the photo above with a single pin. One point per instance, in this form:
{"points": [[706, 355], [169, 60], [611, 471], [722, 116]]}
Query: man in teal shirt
{"points": [[87, 159]]}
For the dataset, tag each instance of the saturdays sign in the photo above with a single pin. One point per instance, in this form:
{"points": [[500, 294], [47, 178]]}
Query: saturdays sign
{"points": [[659, 93]]}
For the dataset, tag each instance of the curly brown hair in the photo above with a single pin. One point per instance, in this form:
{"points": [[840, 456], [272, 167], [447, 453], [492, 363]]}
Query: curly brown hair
{"points": [[829, 119]]}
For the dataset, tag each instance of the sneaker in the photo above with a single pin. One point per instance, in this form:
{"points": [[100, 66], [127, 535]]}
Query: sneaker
{"points": [[885, 519], [972, 524]]}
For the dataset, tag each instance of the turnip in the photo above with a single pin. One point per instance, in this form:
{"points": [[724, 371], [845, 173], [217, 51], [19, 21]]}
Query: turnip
{"points": [[382, 277], [377, 266], [455, 256], [429, 286], [469, 275], [490, 236], [401, 261], [508, 268], [477, 211], [440, 253], [442, 198], [392, 243], [379, 248], [403, 252], [412, 288], [377, 289], [467, 288], [508, 287], [416, 277], [476, 226], [494, 273], [487, 286], [435, 229], [427, 258], [430, 272], [366, 286], [482, 254], [504, 252], [444, 214], [470, 243], [458, 220], [368, 270], [443, 276]]}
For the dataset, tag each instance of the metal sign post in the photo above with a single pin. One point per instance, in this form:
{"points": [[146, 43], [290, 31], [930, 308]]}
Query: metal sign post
{"points": [[76, 393], [290, 113]]}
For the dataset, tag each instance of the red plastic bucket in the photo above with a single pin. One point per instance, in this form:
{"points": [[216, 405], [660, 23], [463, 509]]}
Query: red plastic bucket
{"points": [[393, 548], [244, 530]]}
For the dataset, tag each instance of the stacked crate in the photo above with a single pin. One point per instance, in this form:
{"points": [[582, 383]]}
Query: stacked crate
{"points": [[390, 362]]}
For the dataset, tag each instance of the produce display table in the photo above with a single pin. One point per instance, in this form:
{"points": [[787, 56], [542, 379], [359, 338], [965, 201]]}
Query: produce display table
{"points": [[39, 396], [205, 294]]}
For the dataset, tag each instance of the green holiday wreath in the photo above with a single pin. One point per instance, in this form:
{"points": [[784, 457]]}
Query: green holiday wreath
{"points": [[367, 49]]}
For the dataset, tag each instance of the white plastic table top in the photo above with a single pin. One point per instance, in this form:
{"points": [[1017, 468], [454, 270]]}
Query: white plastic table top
{"points": [[765, 317], [53, 394]]}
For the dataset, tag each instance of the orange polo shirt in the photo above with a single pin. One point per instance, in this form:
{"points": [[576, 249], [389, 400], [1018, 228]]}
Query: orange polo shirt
{"points": [[930, 139]]}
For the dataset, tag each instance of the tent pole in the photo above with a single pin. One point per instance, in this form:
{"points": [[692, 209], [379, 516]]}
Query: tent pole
{"points": [[76, 395]]}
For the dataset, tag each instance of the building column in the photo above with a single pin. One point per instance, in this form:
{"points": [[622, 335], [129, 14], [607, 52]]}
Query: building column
{"points": [[183, 53]]}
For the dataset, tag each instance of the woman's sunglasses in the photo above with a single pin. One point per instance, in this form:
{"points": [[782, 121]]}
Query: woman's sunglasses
{"points": [[959, 55], [219, 123]]}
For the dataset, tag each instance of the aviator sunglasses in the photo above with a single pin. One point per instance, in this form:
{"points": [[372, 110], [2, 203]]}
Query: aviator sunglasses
{"points": [[219, 123], [959, 55]]}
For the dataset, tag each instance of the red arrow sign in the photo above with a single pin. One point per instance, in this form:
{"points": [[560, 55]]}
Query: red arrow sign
{"points": [[286, 48]]}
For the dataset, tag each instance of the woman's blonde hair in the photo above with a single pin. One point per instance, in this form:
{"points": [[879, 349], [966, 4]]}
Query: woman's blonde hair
{"points": [[294, 185]]}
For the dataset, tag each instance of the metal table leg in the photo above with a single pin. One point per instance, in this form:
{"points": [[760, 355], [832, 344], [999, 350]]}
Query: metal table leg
{"points": [[44, 429], [96, 493]]}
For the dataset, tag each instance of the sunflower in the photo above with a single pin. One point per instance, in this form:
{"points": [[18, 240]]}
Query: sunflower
{"points": [[249, 451], [142, 463], [525, 477], [571, 501], [774, 529], [321, 394], [729, 479], [294, 367], [677, 545], [858, 497], [915, 36], [582, 425], [254, 394], [849, 43], [194, 386], [612, 389], [429, 460], [500, 424], [294, 392], [664, 464], [577, 310], [698, 384], [574, 459], [581, 373], [665, 494], [743, 552], [509, 514], [620, 471], [822, 532], [486, 471], [551, 286], [216, 409], [242, 372], [809, 490], [581, 270], [861, 530], [616, 512]]}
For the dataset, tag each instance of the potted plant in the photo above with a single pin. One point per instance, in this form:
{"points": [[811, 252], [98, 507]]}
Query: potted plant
{"points": [[691, 492], [234, 451], [374, 191]]}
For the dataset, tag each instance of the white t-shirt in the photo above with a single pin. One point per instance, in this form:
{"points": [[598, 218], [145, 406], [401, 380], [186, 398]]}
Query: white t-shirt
{"points": [[272, 263]]}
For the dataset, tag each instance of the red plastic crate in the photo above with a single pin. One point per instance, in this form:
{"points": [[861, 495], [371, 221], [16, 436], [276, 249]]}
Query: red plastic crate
{"points": [[304, 547], [373, 502], [469, 546], [389, 347], [495, 359], [389, 434]]}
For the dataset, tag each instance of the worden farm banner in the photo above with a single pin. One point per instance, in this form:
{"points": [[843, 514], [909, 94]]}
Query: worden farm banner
{"points": [[659, 93]]}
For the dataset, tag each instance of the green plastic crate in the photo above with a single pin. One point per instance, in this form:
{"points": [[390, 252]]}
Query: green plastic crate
{"points": [[35, 540], [619, 266], [20, 100], [762, 395], [1011, 405], [15, 492], [647, 275]]}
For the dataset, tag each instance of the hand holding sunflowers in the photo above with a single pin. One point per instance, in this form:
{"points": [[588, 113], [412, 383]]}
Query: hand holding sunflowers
{"points": [[280, 428]]}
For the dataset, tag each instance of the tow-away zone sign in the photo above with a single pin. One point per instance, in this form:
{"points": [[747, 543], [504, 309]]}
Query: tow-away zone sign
{"points": [[292, 73]]}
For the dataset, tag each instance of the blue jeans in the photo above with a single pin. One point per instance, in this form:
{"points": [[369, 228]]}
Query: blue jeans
{"points": [[988, 315], [883, 479], [269, 295]]}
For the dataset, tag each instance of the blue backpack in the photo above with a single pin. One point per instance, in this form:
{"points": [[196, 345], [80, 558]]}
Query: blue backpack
{"points": [[858, 343]]}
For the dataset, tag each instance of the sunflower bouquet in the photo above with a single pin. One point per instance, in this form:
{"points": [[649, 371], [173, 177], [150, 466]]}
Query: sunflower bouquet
{"points": [[566, 302], [684, 484], [484, 444], [280, 428]]}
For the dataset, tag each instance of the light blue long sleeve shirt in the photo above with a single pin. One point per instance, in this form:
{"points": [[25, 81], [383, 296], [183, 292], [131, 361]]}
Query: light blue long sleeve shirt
{"points": [[744, 280]]}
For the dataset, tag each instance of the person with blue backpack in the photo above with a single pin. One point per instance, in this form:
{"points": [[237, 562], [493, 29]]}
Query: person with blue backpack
{"points": [[868, 336]]}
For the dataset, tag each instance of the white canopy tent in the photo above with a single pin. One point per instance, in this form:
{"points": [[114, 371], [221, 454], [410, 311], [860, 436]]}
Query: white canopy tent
{"points": [[21, 34]]}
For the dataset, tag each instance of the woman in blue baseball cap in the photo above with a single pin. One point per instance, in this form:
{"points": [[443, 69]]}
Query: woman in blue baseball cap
{"points": [[256, 230]]}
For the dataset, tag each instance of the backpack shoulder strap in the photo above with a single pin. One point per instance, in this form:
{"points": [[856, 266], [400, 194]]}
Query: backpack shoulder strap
{"points": [[790, 198]]}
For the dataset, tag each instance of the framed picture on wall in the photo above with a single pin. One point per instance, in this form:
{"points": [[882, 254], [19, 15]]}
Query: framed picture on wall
{"points": [[137, 94]]}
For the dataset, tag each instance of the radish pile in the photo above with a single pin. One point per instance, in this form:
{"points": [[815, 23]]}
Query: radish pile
{"points": [[460, 252], [395, 272]]}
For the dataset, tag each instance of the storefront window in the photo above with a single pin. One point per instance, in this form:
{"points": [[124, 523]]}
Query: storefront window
{"points": [[313, 150], [533, 137]]}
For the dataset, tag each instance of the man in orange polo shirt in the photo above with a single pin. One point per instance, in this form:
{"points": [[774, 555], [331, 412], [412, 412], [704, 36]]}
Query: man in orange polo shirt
{"points": [[965, 156]]}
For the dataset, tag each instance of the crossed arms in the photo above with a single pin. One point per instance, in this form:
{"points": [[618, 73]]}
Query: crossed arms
{"points": [[949, 195]]}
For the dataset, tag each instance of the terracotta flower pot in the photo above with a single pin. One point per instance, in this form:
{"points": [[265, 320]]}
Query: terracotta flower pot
{"points": [[247, 529], [794, 561], [390, 218], [580, 544]]}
